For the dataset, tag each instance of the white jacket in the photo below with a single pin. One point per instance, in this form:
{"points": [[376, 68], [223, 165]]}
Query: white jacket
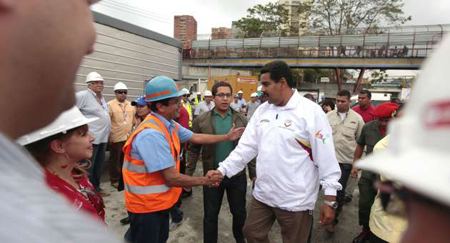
{"points": [[288, 172]]}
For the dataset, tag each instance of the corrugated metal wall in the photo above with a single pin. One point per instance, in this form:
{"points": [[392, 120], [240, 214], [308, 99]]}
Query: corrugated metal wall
{"points": [[121, 56]]}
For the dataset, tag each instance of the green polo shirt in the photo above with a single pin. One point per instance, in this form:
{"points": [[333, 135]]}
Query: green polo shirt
{"points": [[370, 135], [222, 126]]}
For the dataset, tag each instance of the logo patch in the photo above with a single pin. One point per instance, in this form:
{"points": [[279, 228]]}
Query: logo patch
{"points": [[320, 136], [287, 123]]}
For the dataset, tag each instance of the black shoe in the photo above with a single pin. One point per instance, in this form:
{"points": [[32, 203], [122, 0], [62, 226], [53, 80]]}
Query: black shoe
{"points": [[347, 199], [361, 237], [186, 194], [125, 221]]}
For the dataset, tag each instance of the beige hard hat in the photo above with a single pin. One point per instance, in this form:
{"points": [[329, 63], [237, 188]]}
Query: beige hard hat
{"points": [[67, 120], [254, 95], [207, 93], [418, 155], [94, 76], [240, 92], [120, 86]]}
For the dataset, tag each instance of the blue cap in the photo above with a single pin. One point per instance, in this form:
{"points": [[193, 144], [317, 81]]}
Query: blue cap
{"points": [[139, 102], [161, 88]]}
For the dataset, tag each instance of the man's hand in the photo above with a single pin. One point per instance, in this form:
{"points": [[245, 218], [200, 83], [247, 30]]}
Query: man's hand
{"points": [[354, 172], [235, 133], [214, 178], [326, 215]]}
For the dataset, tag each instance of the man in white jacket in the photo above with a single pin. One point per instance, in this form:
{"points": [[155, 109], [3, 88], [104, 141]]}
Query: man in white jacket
{"points": [[292, 140]]}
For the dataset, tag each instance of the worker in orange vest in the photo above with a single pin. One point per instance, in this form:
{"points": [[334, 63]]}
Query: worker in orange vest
{"points": [[151, 175]]}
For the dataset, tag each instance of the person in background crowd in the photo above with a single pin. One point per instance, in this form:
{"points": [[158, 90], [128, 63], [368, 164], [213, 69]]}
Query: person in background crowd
{"points": [[327, 105], [220, 121], [152, 163], [58, 148], [142, 110], [292, 140], [371, 133], [41, 45], [252, 105], [122, 116], [347, 126], [235, 105], [310, 97], [365, 108], [187, 105], [416, 161], [241, 99], [206, 105], [92, 104], [198, 99]]}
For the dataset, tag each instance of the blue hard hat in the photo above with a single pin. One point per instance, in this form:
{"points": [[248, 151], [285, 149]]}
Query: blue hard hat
{"points": [[160, 88], [140, 101]]}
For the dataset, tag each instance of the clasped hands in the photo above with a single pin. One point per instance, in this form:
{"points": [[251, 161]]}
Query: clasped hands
{"points": [[213, 178]]}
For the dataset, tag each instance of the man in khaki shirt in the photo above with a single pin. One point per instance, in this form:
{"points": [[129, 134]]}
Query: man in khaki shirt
{"points": [[347, 126], [122, 113]]}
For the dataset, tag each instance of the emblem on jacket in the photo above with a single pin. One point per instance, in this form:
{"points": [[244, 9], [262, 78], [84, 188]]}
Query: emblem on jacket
{"points": [[288, 123], [320, 136]]}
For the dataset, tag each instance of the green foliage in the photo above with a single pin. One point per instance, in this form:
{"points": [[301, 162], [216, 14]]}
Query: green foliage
{"points": [[337, 17], [270, 18]]}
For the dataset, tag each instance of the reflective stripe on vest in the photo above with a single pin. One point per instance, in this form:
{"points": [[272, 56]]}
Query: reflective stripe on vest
{"points": [[147, 192]]}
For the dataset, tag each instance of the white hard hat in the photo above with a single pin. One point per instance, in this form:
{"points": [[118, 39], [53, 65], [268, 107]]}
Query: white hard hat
{"points": [[254, 95], [186, 91], [120, 86], [418, 155], [199, 93], [259, 88], [240, 92], [67, 120], [207, 93], [94, 76]]}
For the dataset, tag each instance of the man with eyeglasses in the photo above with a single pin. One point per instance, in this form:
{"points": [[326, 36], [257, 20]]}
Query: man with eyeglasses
{"points": [[92, 104], [220, 121], [122, 113]]}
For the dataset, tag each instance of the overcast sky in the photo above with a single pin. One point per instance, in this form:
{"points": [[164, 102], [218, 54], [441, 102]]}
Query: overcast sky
{"points": [[158, 15]]}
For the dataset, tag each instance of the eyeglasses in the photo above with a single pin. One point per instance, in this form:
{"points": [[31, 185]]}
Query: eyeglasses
{"points": [[121, 92], [222, 95]]}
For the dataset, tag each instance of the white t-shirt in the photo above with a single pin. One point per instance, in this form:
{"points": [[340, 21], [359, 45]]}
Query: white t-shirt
{"points": [[31, 212], [202, 107]]}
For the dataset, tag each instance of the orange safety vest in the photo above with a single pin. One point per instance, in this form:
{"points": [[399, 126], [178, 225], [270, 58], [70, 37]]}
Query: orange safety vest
{"points": [[147, 192]]}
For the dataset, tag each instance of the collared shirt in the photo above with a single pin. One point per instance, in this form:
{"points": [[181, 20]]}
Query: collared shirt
{"points": [[236, 106], [202, 107], [367, 114], [152, 147], [222, 126], [242, 101], [345, 133], [251, 108], [122, 115], [370, 135], [32, 212], [90, 108], [295, 152]]}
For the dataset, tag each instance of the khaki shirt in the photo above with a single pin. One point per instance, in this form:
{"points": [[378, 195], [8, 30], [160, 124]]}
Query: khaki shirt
{"points": [[345, 133], [122, 115]]}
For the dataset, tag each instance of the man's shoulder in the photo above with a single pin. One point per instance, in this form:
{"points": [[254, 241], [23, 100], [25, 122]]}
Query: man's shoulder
{"points": [[83, 92], [355, 115]]}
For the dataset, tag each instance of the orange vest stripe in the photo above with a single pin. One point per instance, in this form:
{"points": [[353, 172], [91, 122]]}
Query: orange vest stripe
{"points": [[147, 192]]}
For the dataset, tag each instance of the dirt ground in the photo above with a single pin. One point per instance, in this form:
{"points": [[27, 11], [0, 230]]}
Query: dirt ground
{"points": [[191, 231]]}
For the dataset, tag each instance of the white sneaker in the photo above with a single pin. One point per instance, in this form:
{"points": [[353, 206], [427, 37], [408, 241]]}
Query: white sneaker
{"points": [[174, 225]]}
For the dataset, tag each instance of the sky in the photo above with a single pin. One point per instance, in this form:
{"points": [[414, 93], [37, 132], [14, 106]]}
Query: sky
{"points": [[158, 15]]}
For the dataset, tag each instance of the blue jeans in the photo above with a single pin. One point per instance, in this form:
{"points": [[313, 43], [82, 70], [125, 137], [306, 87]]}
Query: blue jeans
{"points": [[148, 227], [97, 159]]}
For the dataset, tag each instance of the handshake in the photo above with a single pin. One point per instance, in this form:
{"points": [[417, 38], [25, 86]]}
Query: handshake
{"points": [[213, 178]]}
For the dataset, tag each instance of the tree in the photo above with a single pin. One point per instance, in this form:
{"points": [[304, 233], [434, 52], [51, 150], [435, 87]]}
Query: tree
{"points": [[270, 18], [338, 17]]}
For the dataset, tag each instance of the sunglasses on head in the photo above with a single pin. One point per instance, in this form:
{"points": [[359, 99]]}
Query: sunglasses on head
{"points": [[121, 92]]}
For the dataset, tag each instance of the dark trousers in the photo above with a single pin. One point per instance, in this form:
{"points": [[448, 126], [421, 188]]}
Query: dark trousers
{"points": [[176, 213], [97, 159], [346, 169], [236, 188], [149, 227], [375, 239], [115, 161], [367, 193]]}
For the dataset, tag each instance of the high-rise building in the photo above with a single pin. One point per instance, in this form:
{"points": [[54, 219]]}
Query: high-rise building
{"points": [[221, 33], [185, 29], [296, 20]]}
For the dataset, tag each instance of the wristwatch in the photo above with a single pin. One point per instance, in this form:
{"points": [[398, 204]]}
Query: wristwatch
{"points": [[332, 204]]}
